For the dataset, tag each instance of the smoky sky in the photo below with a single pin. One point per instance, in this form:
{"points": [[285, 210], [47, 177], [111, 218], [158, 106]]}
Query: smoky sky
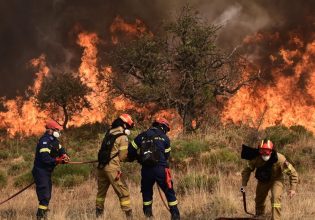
{"points": [[29, 28]]}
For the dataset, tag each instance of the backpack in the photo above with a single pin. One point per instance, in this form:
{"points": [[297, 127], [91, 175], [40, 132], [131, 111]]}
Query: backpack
{"points": [[106, 148], [149, 153]]}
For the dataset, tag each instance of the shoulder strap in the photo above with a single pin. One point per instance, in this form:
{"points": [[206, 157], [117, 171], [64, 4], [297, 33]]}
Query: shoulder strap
{"points": [[115, 137]]}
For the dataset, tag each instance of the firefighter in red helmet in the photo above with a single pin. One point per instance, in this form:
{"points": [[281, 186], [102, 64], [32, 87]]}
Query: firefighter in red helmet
{"points": [[270, 168], [113, 151], [152, 150], [49, 153]]}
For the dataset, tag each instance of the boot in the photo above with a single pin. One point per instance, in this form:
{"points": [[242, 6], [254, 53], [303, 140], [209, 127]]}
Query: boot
{"points": [[147, 210], [129, 215], [99, 212], [175, 216], [41, 214], [174, 213]]}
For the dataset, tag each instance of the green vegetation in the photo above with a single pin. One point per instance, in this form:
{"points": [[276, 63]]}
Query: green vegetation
{"points": [[3, 179], [194, 181]]}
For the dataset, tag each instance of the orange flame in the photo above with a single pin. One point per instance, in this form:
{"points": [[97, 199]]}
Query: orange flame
{"points": [[120, 26], [23, 116], [284, 101]]}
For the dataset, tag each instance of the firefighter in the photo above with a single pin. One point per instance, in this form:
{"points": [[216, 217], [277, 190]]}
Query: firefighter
{"points": [[270, 169], [48, 154], [113, 151], [157, 171]]}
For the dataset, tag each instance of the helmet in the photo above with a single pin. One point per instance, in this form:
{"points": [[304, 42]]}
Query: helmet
{"points": [[51, 124], [163, 121], [266, 147], [126, 118]]}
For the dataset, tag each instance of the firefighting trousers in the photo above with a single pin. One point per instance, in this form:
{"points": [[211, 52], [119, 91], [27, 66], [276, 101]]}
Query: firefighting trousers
{"points": [[43, 184], [150, 175], [262, 190], [107, 178]]}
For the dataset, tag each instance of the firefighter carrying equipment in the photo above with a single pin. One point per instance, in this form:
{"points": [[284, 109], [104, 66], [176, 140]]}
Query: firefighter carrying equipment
{"points": [[104, 154], [275, 184], [157, 173], [107, 175]]}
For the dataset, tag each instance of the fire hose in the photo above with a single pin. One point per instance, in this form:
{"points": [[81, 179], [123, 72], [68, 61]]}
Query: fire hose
{"points": [[162, 198], [29, 185]]}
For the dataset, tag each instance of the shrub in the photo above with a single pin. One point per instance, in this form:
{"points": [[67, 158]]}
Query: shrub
{"points": [[71, 175], [188, 148], [195, 181], [18, 168], [4, 154], [280, 135], [222, 156], [23, 179], [3, 179]]}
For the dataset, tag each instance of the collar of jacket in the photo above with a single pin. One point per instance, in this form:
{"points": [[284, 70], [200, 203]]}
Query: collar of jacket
{"points": [[117, 130], [51, 137]]}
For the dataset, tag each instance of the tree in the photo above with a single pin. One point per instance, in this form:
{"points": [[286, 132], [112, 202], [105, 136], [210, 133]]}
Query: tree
{"points": [[181, 67], [63, 91]]}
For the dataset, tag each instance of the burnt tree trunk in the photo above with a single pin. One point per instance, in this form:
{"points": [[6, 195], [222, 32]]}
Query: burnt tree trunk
{"points": [[66, 117]]}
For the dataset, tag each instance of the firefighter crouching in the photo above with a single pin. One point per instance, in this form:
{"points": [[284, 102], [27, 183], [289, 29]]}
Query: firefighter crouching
{"points": [[270, 169], [48, 154], [113, 151], [152, 149]]}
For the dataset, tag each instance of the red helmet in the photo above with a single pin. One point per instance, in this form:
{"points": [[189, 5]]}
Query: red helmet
{"points": [[164, 122], [266, 147], [127, 119], [51, 124]]}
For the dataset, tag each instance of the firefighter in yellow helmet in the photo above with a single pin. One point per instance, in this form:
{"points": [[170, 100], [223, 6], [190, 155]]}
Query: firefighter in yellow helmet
{"points": [[270, 169], [113, 151]]}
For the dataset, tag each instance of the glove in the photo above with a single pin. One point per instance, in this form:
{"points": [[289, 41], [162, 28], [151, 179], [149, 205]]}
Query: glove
{"points": [[62, 159], [242, 189], [66, 158], [59, 160]]}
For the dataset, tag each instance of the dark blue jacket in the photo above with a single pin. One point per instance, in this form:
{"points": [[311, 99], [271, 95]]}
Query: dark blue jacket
{"points": [[162, 143], [48, 148]]}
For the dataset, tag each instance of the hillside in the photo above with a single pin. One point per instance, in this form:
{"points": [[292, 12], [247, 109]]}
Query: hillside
{"points": [[206, 171]]}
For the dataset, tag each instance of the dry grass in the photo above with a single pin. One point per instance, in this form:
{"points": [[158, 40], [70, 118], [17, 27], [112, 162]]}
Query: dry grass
{"points": [[206, 175], [225, 200]]}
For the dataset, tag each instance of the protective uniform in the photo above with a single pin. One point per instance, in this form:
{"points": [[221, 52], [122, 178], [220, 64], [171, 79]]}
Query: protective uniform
{"points": [[111, 175], [48, 152], [158, 173], [275, 184]]}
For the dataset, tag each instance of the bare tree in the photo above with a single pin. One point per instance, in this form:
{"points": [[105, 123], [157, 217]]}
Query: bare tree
{"points": [[181, 67], [65, 92]]}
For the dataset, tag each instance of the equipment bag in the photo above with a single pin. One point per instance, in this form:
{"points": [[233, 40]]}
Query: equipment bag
{"points": [[249, 153], [106, 148], [149, 153]]}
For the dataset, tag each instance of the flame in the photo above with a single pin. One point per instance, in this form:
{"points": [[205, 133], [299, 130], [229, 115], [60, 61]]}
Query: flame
{"points": [[120, 25], [88, 73], [289, 99], [23, 116]]}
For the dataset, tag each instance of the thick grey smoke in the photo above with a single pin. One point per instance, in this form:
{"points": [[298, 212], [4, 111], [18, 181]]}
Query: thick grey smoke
{"points": [[29, 28]]}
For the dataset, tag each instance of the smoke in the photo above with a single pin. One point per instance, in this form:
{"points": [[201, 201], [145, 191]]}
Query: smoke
{"points": [[33, 27]]}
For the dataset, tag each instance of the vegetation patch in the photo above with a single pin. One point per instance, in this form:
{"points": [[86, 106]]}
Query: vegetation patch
{"points": [[3, 179], [71, 175], [195, 181]]}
